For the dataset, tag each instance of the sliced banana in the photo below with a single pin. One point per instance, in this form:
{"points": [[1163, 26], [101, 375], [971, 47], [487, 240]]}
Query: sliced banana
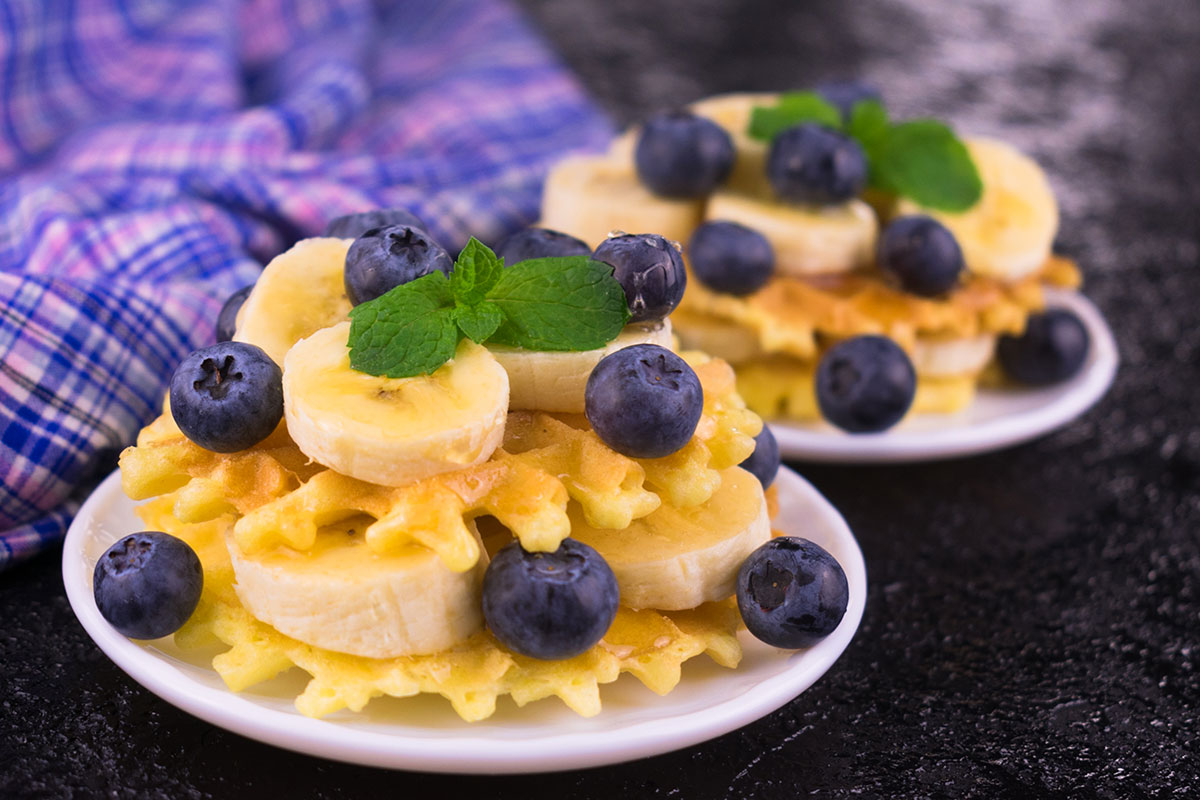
{"points": [[299, 292], [965, 355], [392, 431], [720, 338], [808, 240], [732, 112], [342, 596], [549, 381], [1008, 234], [679, 558], [591, 196]]}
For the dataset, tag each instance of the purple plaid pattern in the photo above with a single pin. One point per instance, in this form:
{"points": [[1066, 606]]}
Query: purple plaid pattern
{"points": [[154, 153]]}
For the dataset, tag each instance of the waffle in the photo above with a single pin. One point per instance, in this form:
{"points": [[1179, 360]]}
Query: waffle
{"points": [[794, 316], [649, 644], [775, 336], [271, 496], [280, 498]]}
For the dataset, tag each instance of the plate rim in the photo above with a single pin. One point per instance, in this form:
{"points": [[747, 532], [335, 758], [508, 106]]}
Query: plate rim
{"points": [[573, 750], [819, 443]]}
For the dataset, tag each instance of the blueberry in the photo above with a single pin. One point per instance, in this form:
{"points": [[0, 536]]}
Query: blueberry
{"points": [[383, 258], [791, 592], [540, 243], [147, 584], [1053, 348], [811, 164], [649, 269], [922, 254], [763, 463], [643, 401], [865, 384], [682, 155], [728, 257], [845, 94], [227, 318], [549, 605], [353, 226], [227, 397]]}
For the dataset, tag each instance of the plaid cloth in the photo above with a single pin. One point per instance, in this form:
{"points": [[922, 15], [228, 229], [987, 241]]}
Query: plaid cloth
{"points": [[154, 153]]}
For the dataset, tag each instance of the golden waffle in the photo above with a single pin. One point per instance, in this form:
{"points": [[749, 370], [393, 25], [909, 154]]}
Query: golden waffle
{"points": [[282, 498], [793, 315], [649, 644]]}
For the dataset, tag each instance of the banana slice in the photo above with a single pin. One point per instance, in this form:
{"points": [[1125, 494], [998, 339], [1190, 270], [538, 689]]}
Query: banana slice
{"points": [[732, 112], [808, 240], [1008, 234], [556, 381], [679, 558], [591, 196], [343, 597], [725, 340], [966, 355], [392, 431], [299, 292]]}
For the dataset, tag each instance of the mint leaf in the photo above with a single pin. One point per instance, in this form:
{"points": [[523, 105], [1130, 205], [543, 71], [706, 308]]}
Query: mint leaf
{"points": [[475, 272], [478, 322], [409, 331], [570, 303], [793, 109], [924, 160], [868, 123]]}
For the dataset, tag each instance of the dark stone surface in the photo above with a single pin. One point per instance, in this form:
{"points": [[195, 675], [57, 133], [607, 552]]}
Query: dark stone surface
{"points": [[1032, 624]]}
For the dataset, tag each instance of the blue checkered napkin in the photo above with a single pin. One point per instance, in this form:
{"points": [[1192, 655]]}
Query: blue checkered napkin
{"points": [[154, 154]]}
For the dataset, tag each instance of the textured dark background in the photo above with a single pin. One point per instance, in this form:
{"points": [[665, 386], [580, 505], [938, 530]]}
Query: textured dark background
{"points": [[1033, 617]]}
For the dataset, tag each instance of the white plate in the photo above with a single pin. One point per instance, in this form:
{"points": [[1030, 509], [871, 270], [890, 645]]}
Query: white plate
{"points": [[996, 419], [423, 733]]}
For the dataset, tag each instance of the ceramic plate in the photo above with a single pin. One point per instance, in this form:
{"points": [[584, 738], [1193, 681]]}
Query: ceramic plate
{"points": [[423, 733], [997, 418]]}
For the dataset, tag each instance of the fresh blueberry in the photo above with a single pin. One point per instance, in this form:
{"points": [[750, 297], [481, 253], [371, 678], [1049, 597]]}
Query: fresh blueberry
{"points": [[728, 257], [763, 463], [682, 155], [845, 94], [865, 384], [922, 254], [649, 269], [812, 164], [383, 258], [1053, 348], [353, 226], [540, 243], [227, 319], [791, 592], [147, 584], [643, 401], [227, 397], [549, 605]]}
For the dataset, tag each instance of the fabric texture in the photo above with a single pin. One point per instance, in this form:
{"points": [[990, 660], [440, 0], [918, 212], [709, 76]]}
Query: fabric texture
{"points": [[154, 154]]}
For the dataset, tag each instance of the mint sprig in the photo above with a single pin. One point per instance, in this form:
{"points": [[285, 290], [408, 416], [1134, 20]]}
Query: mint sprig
{"points": [[555, 304], [921, 159]]}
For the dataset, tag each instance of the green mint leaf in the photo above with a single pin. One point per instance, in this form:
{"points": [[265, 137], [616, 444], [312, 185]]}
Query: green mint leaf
{"points": [[868, 123], [793, 108], [409, 331], [924, 160], [475, 272], [569, 303], [478, 322]]}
